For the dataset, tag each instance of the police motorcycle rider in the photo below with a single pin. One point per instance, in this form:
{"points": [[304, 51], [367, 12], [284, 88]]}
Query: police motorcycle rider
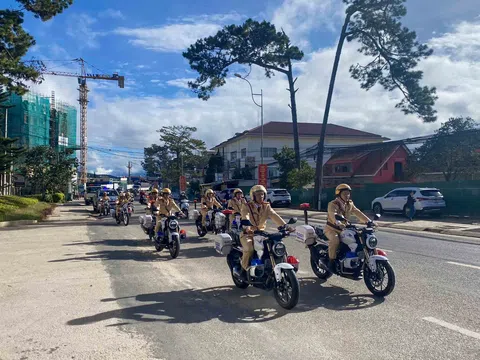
{"points": [[165, 206], [257, 211], [119, 203], [341, 205], [183, 196], [208, 202], [104, 201], [235, 204]]}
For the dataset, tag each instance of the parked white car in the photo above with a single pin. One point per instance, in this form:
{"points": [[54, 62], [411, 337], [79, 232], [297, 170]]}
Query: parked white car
{"points": [[429, 200]]}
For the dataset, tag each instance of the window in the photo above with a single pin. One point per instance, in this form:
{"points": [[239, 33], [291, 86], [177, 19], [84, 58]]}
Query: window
{"points": [[431, 193], [343, 168], [269, 152], [244, 153], [392, 194], [233, 156]]}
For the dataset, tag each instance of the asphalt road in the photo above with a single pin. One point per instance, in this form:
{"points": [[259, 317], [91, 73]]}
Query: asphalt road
{"points": [[188, 308]]}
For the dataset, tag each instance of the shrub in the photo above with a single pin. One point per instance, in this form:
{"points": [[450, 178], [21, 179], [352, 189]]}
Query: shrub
{"points": [[58, 197], [39, 197]]}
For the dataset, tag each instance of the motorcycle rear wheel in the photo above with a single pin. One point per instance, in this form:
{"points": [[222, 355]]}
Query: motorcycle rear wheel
{"points": [[370, 278], [201, 230], [284, 298]]}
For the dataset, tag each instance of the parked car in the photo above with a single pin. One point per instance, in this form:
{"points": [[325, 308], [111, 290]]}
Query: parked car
{"points": [[428, 200]]}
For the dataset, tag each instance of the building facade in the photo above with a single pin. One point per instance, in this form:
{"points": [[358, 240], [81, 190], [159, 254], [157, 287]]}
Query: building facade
{"points": [[243, 150], [38, 120]]}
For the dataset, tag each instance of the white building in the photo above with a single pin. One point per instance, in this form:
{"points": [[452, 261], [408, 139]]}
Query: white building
{"points": [[244, 148]]}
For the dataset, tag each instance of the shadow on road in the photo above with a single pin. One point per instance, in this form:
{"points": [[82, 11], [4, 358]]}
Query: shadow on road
{"points": [[114, 242], [135, 255], [226, 303]]}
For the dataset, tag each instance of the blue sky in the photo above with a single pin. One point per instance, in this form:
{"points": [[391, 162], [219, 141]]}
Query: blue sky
{"points": [[143, 40]]}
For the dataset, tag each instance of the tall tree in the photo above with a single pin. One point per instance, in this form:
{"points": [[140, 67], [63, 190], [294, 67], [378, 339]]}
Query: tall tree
{"points": [[453, 150], [286, 163], [47, 170], [376, 25], [252, 43], [178, 152], [215, 165], [15, 42]]}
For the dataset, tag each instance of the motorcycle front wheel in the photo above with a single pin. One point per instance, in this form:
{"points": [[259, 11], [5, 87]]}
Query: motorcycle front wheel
{"points": [[287, 292], [174, 247], [126, 219], [374, 280]]}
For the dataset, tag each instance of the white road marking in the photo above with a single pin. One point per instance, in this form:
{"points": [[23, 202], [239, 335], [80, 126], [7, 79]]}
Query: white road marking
{"points": [[456, 328], [466, 265]]}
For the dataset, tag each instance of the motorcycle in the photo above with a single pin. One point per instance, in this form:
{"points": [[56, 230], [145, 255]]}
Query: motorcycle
{"points": [[356, 254], [143, 198], [215, 222], [184, 206], [169, 236], [124, 214], [271, 268]]}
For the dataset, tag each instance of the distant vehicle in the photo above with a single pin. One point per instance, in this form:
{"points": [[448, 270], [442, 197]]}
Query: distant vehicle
{"points": [[112, 194], [222, 194], [90, 193], [429, 200]]}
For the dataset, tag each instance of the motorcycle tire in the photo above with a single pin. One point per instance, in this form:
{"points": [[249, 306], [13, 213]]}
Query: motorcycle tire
{"points": [[126, 219], [368, 277], [317, 269], [174, 247], [291, 301], [239, 283], [201, 231], [159, 247]]}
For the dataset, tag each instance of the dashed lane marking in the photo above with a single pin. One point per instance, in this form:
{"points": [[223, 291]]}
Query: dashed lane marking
{"points": [[453, 327], [465, 265]]}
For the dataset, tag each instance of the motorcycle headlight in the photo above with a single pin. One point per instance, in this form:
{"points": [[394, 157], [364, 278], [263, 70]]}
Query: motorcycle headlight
{"points": [[279, 249], [372, 242], [173, 225]]}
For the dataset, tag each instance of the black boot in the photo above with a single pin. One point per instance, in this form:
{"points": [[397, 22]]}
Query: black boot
{"points": [[332, 266]]}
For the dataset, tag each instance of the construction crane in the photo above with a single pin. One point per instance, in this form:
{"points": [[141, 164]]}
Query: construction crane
{"points": [[83, 100]]}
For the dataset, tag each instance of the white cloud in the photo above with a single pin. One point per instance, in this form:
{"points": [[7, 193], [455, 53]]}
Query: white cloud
{"points": [[181, 83], [299, 17], [463, 41], [155, 81], [231, 17], [169, 38], [80, 27], [112, 13]]}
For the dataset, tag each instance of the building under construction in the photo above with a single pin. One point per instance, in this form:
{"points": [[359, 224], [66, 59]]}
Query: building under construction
{"points": [[38, 120]]}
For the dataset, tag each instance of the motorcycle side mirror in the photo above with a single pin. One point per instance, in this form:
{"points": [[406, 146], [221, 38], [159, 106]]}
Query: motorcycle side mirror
{"points": [[245, 223], [292, 220], [377, 216], [340, 217]]}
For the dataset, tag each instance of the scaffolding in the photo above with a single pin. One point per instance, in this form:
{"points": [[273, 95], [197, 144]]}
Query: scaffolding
{"points": [[39, 120]]}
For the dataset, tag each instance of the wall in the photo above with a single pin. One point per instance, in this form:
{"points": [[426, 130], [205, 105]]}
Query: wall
{"points": [[388, 175], [462, 197]]}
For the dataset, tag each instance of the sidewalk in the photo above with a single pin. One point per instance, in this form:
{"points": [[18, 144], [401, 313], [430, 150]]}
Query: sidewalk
{"points": [[460, 228], [39, 294]]}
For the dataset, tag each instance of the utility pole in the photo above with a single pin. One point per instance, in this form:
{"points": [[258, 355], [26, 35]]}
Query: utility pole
{"points": [[129, 166]]}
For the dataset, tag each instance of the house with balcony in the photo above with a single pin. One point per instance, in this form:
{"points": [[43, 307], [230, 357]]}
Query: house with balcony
{"points": [[241, 153]]}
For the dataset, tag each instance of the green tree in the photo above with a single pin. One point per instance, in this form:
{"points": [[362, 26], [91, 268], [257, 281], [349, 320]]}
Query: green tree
{"points": [[376, 25], [453, 150], [286, 163], [252, 43], [177, 153], [247, 173], [47, 170], [15, 42], [215, 165], [299, 178]]}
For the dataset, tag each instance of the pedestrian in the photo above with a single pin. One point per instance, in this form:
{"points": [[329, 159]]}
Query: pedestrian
{"points": [[410, 206]]}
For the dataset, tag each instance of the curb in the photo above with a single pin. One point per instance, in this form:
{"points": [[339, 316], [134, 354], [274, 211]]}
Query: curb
{"points": [[17, 223]]}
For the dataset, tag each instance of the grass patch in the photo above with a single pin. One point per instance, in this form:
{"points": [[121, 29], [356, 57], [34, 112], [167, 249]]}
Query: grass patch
{"points": [[20, 208]]}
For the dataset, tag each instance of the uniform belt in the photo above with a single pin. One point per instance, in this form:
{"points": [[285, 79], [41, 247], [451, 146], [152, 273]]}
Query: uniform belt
{"points": [[334, 226]]}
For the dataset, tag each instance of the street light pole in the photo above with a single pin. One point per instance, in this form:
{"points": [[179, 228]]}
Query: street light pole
{"points": [[261, 111]]}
